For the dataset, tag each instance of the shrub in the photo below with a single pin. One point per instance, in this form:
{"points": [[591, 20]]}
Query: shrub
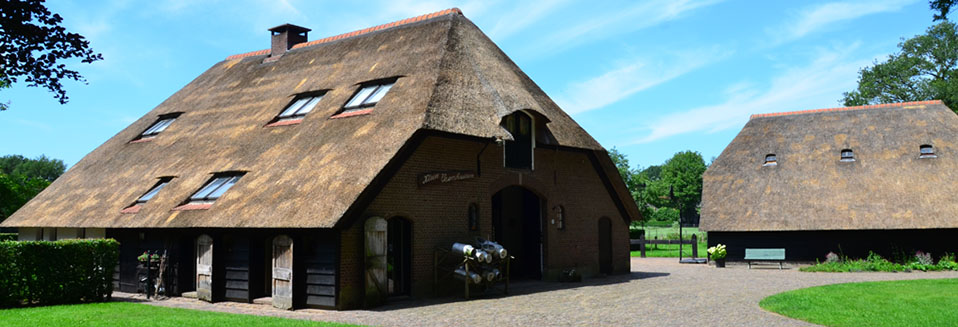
{"points": [[67, 271], [8, 237]]}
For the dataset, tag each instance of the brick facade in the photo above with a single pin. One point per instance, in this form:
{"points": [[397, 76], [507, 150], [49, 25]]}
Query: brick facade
{"points": [[438, 212]]}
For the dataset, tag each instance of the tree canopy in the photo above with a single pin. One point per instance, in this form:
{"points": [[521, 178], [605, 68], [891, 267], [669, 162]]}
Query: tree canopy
{"points": [[21, 179], [925, 68], [941, 7], [664, 192], [33, 46]]}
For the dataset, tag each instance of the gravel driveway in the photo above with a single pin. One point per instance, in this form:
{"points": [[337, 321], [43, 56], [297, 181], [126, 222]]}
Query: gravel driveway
{"points": [[658, 292]]}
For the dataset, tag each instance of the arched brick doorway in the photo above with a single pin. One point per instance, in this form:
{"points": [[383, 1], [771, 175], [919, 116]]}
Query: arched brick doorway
{"points": [[517, 220]]}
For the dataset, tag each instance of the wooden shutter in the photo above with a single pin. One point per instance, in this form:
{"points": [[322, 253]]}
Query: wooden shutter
{"points": [[375, 261], [204, 268], [283, 272]]}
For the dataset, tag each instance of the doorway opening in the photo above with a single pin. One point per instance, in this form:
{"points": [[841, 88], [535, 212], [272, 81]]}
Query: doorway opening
{"points": [[517, 218], [605, 245], [398, 256]]}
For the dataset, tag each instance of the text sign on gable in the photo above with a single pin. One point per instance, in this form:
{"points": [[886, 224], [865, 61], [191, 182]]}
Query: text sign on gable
{"points": [[442, 177]]}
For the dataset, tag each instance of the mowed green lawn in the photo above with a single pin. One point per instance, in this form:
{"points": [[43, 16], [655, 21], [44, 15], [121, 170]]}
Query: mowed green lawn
{"points": [[925, 302], [672, 250], [120, 314]]}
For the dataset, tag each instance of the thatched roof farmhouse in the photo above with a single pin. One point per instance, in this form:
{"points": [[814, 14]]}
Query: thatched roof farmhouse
{"points": [[287, 156], [852, 180]]}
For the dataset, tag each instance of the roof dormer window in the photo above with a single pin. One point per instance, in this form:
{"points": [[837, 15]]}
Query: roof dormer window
{"points": [[301, 106], [211, 191], [519, 150], [159, 126], [770, 160], [135, 207], [847, 155], [927, 151], [369, 94]]}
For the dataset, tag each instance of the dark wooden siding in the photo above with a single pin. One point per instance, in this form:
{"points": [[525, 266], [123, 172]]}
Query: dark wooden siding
{"points": [[318, 264], [811, 245]]}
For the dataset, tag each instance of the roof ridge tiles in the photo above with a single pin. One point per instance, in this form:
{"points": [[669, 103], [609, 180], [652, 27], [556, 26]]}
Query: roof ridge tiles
{"points": [[873, 106], [410, 20]]}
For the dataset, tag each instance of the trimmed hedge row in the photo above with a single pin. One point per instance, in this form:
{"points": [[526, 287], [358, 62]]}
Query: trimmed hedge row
{"points": [[59, 272], [8, 236]]}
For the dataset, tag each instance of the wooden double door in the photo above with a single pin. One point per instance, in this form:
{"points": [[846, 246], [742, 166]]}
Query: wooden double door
{"points": [[243, 267]]}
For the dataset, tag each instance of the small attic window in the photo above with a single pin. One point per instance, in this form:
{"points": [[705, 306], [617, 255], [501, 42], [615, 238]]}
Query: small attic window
{"points": [[519, 150], [215, 188], [927, 151], [162, 122], [300, 106], [847, 155], [369, 94], [770, 160], [153, 191]]}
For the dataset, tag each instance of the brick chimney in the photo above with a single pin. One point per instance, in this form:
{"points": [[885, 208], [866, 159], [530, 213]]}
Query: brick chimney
{"points": [[284, 38]]}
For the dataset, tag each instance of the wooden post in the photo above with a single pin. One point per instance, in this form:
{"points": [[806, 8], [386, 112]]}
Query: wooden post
{"points": [[695, 246], [642, 245], [466, 280]]}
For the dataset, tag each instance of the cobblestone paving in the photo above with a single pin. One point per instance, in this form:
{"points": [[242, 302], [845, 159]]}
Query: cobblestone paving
{"points": [[658, 292]]}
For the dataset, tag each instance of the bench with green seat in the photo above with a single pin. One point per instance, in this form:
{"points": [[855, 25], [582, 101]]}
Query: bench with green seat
{"points": [[765, 255]]}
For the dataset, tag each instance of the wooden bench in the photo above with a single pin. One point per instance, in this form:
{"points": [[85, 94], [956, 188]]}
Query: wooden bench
{"points": [[764, 255]]}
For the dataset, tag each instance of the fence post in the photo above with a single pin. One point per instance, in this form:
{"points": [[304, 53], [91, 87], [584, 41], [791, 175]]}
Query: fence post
{"points": [[642, 245], [695, 246]]}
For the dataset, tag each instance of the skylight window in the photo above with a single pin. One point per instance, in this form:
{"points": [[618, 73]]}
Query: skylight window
{"points": [[215, 188], [847, 155], [300, 107], [927, 151], [368, 95], [153, 191], [159, 126], [770, 160]]}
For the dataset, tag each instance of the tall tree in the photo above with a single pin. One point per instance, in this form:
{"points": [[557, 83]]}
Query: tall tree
{"points": [[21, 179], [942, 7], [926, 68], [33, 45], [683, 175]]}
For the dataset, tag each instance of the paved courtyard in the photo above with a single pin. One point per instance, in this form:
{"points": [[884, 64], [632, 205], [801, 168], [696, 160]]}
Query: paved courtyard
{"points": [[658, 291]]}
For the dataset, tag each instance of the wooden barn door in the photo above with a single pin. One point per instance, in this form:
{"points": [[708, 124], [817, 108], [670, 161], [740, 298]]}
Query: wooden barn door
{"points": [[204, 268], [376, 290], [605, 245], [283, 272]]}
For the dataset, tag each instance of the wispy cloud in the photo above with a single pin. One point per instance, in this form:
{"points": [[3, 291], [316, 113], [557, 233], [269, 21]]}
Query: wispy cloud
{"points": [[819, 17], [628, 79], [818, 84], [523, 15], [642, 15]]}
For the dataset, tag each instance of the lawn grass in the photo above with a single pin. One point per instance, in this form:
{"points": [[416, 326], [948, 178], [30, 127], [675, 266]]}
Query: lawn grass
{"points": [[924, 302], [672, 250], [119, 314]]}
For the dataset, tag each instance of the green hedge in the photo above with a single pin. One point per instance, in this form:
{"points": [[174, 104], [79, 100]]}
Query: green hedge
{"points": [[8, 236], [45, 273]]}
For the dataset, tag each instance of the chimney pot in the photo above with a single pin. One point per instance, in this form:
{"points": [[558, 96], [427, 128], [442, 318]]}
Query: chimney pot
{"points": [[284, 37]]}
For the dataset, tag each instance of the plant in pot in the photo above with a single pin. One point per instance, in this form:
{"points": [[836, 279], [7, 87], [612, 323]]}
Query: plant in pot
{"points": [[718, 253]]}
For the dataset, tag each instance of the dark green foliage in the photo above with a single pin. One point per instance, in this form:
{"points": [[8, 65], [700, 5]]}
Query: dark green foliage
{"points": [[942, 7], [920, 261], [926, 68], [46, 273], [33, 44], [21, 179], [41, 167], [8, 237]]}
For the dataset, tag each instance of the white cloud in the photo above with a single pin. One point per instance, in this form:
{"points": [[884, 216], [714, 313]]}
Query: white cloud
{"points": [[821, 16], [521, 16], [817, 85], [642, 15], [626, 80]]}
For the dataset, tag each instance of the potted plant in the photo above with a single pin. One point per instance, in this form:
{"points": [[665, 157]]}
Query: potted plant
{"points": [[718, 253]]}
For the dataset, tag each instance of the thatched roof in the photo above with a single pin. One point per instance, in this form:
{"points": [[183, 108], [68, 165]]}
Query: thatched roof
{"points": [[452, 79], [887, 186]]}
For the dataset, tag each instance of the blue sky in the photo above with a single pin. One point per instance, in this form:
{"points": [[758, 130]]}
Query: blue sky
{"points": [[650, 78]]}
